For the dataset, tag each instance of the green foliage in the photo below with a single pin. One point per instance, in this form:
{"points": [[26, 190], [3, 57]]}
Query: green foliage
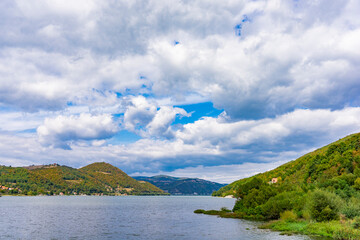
{"points": [[324, 206], [254, 183], [288, 216], [97, 178], [119, 182], [352, 208], [347, 233], [357, 183], [292, 200], [199, 211], [357, 170], [223, 212], [356, 223], [326, 176], [315, 168], [252, 195], [225, 209], [322, 186], [326, 229]]}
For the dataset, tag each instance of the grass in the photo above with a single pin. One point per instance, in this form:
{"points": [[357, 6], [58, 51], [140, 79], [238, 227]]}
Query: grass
{"points": [[332, 230], [224, 213]]}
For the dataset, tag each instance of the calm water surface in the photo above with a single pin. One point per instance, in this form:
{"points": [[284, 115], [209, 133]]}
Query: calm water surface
{"points": [[127, 217]]}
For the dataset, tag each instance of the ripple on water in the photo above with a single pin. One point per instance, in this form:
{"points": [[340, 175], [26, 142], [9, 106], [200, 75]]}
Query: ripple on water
{"points": [[131, 217]]}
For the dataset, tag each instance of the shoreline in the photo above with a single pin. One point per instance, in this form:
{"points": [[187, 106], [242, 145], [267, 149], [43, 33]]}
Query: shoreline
{"points": [[336, 229], [94, 195], [80, 195]]}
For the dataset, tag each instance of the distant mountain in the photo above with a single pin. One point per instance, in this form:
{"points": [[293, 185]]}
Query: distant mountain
{"points": [[182, 186], [95, 179]]}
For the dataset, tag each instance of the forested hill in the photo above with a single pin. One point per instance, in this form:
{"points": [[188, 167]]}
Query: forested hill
{"points": [[325, 167], [96, 179], [182, 186], [319, 193]]}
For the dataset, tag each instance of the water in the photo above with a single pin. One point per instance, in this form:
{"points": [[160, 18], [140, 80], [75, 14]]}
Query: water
{"points": [[123, 217]]}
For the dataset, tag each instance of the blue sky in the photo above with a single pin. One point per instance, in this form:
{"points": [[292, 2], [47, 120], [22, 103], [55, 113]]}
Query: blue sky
{"points": [[219, 90]]}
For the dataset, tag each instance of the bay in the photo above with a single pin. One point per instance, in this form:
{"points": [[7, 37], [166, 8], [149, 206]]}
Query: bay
{"points": [[124, 217]]}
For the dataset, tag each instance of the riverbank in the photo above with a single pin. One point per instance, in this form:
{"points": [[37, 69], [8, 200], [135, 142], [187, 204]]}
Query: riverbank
{"points": [[337, 229]]}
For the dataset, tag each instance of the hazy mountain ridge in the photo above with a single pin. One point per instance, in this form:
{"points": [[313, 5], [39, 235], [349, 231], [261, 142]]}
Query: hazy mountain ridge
{"points": [[182, 185], [96, 178]]}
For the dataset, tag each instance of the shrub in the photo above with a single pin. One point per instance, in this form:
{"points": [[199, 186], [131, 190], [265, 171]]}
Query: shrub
{"points": [[238, 205], [306, 215], [212, 212], [225, 209], [284, 201], [346, 233], [199, 211], [254, 183], [351, 208], [357, 183], [288, 216], [356, 223], [324, 206]]}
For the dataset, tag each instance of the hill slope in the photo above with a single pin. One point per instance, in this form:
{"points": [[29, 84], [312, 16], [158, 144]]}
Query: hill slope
{"points": [[318, 194], [182, 186], [316, 168], [117, 180], [96, 178]]}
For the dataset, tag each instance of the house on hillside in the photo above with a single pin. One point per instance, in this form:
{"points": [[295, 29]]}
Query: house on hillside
{"points": [[274, 180]]}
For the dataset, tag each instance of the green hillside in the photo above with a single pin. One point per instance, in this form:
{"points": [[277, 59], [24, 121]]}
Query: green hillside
{"points": [[118, 181], [182, 186], [337, 160], [96, 178], [317, 194]]}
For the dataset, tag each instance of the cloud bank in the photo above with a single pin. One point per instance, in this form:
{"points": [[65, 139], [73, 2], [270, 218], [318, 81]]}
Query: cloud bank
{"points": [[86, 75], [59, 131]]}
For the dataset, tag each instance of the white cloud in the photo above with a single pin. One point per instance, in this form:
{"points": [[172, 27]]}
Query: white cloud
{"points": [[43, 8], [160, 124], [289, 55], [34, 79], [60, 131], [24, 151], [139, 113], [76, 63], [17, 121], [50, 31], [262, 75], [301, 122], [143, 117], [317, 127]]}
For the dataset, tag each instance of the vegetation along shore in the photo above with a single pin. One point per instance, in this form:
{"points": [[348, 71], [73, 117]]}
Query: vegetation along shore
{"points": [[317, 194]]}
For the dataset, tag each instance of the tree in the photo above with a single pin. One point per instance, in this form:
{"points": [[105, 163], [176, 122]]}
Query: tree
{"points": [[324, 206]]}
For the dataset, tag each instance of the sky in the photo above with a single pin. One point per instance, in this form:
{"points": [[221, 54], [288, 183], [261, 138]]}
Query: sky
{"points": [[219, 90]]}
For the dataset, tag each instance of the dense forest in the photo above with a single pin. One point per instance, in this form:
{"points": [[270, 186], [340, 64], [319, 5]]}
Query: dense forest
{"points": [[94, 179], [319, 187]]}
